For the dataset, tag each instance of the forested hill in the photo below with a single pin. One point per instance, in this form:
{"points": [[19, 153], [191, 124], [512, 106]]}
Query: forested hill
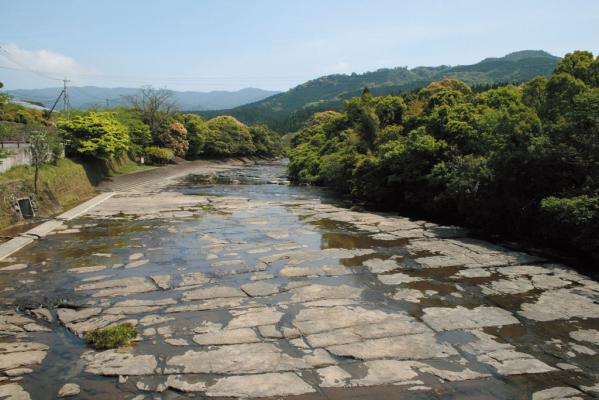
{"points": [[289, 110], [86, 97]]}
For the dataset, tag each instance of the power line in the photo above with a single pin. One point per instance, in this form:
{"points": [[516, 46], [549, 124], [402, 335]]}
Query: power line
{"points": [[9, 56]]}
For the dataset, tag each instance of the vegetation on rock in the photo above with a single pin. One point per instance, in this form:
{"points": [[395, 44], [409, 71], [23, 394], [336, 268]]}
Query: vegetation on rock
{"points": [[111, 337]]}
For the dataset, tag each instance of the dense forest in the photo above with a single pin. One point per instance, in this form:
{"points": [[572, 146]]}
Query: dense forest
{"points": [[288, 111], [522, 160]]}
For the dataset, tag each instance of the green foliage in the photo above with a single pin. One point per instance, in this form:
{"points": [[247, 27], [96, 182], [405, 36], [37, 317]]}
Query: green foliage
{"points": [[111, 337], [95, 134], [196, 128], [574, 219], [228, 137], [159, 155], [521, 160], [174, 137], [266, 141], [139, 132], [289, 111], [11, 112]]}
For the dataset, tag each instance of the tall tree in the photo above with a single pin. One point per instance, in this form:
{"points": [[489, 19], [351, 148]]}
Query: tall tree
{"points": [[40, 153], [154, 106]]}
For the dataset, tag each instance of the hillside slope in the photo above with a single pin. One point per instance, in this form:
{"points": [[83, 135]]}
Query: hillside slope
{"points": [[84, 97], [287, 111]]}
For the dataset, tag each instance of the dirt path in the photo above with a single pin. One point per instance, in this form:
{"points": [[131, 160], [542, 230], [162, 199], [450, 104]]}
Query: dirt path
{"points": [[131, 181]]}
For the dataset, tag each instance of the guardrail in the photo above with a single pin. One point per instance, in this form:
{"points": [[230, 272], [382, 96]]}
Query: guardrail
{"points": [[12, 143]]}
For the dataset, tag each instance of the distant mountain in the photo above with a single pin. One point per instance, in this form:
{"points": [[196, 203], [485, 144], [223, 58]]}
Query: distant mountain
{"points": [[289, 110], [84, 97]]}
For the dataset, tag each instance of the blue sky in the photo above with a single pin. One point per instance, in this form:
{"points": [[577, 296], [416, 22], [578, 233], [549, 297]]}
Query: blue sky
{"points": [[271, 44]]}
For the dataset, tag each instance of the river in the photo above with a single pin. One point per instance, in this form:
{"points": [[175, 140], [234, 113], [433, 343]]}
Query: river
{"points": [[240, 285]]}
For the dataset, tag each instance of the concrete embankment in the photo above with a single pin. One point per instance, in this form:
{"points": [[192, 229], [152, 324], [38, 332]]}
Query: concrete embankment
{"points": [[17, 243]]}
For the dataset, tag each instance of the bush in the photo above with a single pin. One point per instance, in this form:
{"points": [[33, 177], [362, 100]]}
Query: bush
{"points": [[159, 155], [574, 220], [227, 137], [174, 137], [95, 134], [111, 337]]}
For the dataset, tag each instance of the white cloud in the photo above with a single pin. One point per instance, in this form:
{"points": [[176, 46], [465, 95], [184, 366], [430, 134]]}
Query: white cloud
{"points": [[45, 61]]}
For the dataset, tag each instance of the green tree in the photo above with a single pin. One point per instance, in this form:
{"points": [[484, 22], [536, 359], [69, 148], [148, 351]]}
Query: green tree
{"points": [[578, 64], [39, 146], [95, 134]]}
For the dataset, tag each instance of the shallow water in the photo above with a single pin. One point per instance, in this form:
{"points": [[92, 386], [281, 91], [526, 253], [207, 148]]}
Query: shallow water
{"points": [[240, 226]]}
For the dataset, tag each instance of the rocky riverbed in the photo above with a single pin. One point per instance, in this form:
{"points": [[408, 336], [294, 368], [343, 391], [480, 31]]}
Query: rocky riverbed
{"points": [[241, 286]]}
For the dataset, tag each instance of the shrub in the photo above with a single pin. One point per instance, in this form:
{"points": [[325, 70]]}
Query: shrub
{"points": [[111, 337], [228, 137], [175, 137], [95, 134], [159, 155]]}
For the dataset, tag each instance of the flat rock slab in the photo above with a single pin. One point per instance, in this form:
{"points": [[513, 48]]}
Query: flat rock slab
{"points": [[586, 335], [112, 363], [118, 287], [408, 347], [317, 292], [162, 281], [227, 336], [503, 356], [69, 389], [213, 293], [560, 304], [321, 319], [93, 323], [557, 393], [255, 317], [12, 347], [14, 267], [383, 372], [398, 279], [333, 376], [257, 289], [325, 270], [67, 315], [394, 325], [252, 358], [264, 385], [13, 391], [444, 319], [379, 266], [21, 358]]}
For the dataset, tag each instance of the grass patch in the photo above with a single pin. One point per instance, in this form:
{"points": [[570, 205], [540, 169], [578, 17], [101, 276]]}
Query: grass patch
{"points": [[111, 337], [129, 167], [62, 186]]}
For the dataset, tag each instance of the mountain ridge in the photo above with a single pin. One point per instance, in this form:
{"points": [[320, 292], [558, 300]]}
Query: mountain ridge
{"points": [[287, 111], [85, 97]]}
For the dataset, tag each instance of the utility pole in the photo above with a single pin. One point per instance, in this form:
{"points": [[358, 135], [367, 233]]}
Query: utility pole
{"points": [[65, 99], [107, 104]]}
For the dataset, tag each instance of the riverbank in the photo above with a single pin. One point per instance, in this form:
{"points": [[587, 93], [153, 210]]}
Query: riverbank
{"points": [[61, 186], [68, 183]]}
